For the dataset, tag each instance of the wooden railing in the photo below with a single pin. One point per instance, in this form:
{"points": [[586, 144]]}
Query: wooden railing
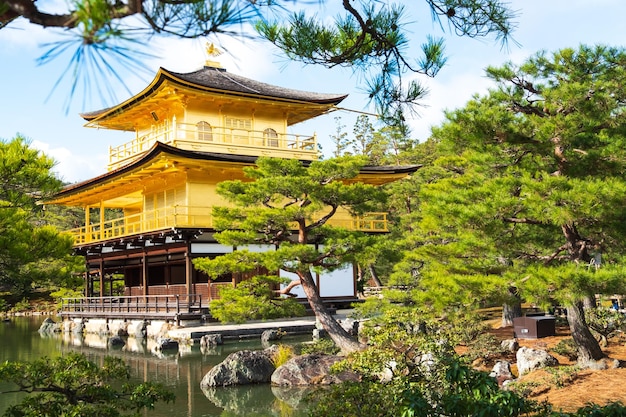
{"points": [[218, 139], [151, 220], [189, 216], [143, 305]]}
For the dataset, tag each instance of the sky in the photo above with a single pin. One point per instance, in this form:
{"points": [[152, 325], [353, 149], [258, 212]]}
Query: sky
{"points": [[29, 107]]}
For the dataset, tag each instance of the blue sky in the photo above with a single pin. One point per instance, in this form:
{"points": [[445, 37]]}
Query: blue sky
{"points": [[26, 106]]}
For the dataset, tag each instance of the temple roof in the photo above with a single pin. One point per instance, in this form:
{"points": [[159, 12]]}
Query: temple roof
{"points": [[217, 81], [161, 156]]}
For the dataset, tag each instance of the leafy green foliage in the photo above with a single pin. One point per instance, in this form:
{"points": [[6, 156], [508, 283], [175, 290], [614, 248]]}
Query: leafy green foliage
{"points": [[525, 190], [356, 399], [423, 376], [486, 347], [324, 345], [25, 174], [71, 385], [615, 409], [562, 375], [567, 348], [62, 293], [413, 354], [21, 306], [254, 299], [462, 391], [605, 321], [282, 355], [30, 251], [289, 205]]}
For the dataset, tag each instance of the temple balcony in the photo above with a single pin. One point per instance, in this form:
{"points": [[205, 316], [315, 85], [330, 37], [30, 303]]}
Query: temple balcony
{"points": [[193, 217], [217, 139]]}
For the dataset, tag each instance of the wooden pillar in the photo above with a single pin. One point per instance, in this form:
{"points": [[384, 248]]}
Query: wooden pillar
{"points": [[101, 277], [188, 269], [102, 236], [87, 225], [144, 273]]}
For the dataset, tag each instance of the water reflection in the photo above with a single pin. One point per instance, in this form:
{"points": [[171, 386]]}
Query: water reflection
{"points": [[180, 370], [292, 396]]}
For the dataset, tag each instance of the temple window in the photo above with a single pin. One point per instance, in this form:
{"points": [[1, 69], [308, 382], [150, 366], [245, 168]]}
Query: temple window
{"points": [[270, 137], [205, 132]]}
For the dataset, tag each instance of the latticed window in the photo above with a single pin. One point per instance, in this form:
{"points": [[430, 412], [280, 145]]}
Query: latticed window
{"points": [[235, 123], [205, 132], [270, 137]]}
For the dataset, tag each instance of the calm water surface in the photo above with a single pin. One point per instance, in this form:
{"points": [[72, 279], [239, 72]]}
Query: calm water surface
{"points": [[181, 372]]}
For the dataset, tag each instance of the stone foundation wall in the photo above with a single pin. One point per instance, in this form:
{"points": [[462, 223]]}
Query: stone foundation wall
{"points": [[152, 329]]}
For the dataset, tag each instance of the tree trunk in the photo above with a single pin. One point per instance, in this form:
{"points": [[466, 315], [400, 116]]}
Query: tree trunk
{"points": [[338, 334], [509, 312], [375, 276], [589, 301], [512, 308], [588, 348]]}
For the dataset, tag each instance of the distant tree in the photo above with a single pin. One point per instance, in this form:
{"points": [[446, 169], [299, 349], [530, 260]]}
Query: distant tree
{"points": [[108, 38], [377, 146], [368, 141], [289, 205], [397, 142], [531, 189], [340, 139], [71, 385], [30, 253]]}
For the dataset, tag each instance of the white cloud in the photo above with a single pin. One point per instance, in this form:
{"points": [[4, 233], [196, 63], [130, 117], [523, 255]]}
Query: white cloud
{"points": [[447, 93], [72, 167], [21, 36], [241, 55]]}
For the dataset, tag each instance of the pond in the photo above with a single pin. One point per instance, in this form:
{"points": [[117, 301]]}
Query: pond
{"points": [[181, 372]]}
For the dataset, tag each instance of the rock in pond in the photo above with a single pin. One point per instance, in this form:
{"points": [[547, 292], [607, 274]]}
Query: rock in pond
{"points": [[240, 368], [49, 326], [311, 369]]}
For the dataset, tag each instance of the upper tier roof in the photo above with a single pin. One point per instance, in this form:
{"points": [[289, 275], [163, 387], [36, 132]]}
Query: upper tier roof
{"points": [[163, 157], [217, 81]]}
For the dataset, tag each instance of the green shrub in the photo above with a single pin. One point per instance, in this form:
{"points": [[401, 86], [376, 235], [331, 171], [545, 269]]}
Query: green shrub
{"points": [[356, 399], [4, 305], [21, 306], [282, 355], [566, 347], [562, 375], [464, 328], [485, 346], [71, 385], [324, 346], [62, 293], [615, 409], [605, 322]]}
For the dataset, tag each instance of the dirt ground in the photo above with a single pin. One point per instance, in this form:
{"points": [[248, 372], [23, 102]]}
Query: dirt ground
{"points": [[566, 387]]}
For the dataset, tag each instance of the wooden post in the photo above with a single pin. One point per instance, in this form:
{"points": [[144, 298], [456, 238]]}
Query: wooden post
{"points": [[101, 271], [144, 273], [88, 237], [102, 234], [188, 270]]}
